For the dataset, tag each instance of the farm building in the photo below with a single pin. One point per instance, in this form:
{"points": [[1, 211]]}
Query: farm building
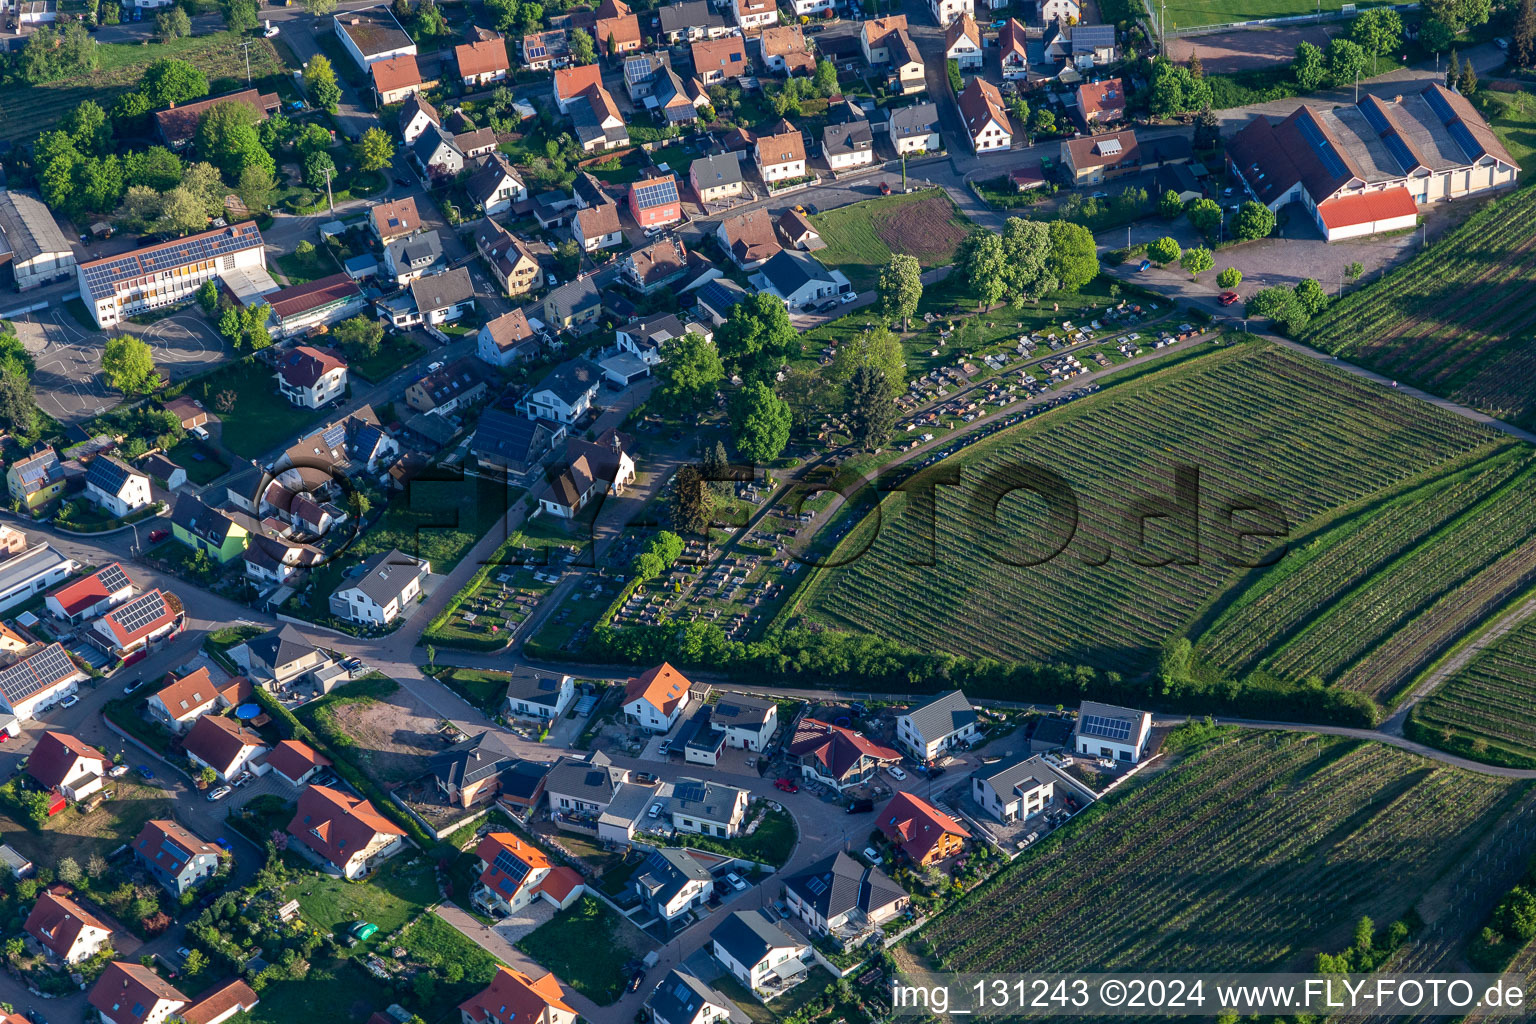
{"points": [[1364, 169], [31, 242]]}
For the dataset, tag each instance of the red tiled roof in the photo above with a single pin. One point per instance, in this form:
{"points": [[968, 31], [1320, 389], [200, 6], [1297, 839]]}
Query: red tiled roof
{"points": [[572, 82], [83, 593], [123, 986], [497, 843], [916, 825], [293, 758], [1098, 97], [1367, 208], [217, 741], [55, 754], [560, 883], [217, 1003], [397, 217], [335, 825], [514, 998], [130, 612], [662, 687], [303, 366], [301, 298], [840, 750], [981, 103], [190, 692], [56, 921], [482, 58], [398, 72]]}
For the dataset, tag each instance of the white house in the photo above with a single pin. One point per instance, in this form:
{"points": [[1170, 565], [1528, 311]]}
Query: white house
{"points": [[415, 117], [838, 895], [986, 120], [816, 8], [1015, 789], [708, 808], [1104, 730], [962, 43], [915, 129], [543, 695], [680, 998], [654, 699], [565, 395], [800, 280], [947, 12], [597, 227], [1065, 11], [116, 486], [92, 595], [222, 744], [66, 929], [495, 186], [441, 298], [63, 764], [344, 832], [130, 993], [383, 591], [749, 722], [780, 157], [310, 377], [591, 469], [182, 701], [671, 883], [38, 682], [943, 723], [371, 34], [758, 952]]}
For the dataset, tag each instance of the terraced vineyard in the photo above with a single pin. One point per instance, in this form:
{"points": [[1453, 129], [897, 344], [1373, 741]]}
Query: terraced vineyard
{"points": [[1252, 854], [1457, 319], [1489, 707], [1374, 600], [1253, 419]]}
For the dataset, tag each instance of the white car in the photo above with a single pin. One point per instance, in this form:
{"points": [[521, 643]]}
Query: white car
{"points": [[896, 773], [117, 771], [655, 811], [736, 881], [873, 854], [220, 793], [69, 702]]}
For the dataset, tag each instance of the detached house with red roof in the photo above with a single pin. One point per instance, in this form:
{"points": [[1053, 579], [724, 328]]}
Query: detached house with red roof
{"points": [[311, 377], [837, 756], [66, 929], [296, 762], [181, 702], [572, 83], [923, 832], [394, 219], [132, 626], [343, 832], [39, 681], [178, 859], [92, 595], [617, 30], [395, 78], [62, 764], [129, 993], [224, 745], [513, 874], [654, 699], [482, 62], [514, 998]]}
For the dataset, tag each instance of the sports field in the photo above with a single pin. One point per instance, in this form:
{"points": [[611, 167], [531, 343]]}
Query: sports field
{"points": [[1253, 420], [862, 236], [1193, 13]]}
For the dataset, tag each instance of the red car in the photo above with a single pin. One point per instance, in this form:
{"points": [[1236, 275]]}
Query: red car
{"points": [[786, 785], [885, 188], [156, 536], [1227, 298]]}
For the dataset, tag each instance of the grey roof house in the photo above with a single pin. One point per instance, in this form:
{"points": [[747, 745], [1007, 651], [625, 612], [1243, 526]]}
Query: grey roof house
{"points": [[838, 895], [535, 694], [936, 725], [680, 998], [672, 883]]}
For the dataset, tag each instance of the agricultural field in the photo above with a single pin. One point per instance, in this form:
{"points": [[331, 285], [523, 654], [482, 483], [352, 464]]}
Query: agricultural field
{"points": [[862, 236], [1430, 322], [1185, 872], [1376, 597], [1485, 710], [26, 110], [1253, 419]]}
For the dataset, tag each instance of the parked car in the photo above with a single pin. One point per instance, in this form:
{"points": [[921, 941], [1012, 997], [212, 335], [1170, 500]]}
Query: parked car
{"points": [[1227, 298], [117, 771], [145, 771], [635, 980], [646, 778], [134, 685], [222, 844], [863, 805], [885, 188], [69, 702], [872, 854], [896, 773], [655, 811], [220, 793], [403, 182], [1144, 265], [736, 882], [182, 952], [786, 785], [156, 536]]}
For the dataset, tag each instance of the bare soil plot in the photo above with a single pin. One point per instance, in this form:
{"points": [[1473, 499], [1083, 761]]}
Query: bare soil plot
{"points": [[393, 736]]}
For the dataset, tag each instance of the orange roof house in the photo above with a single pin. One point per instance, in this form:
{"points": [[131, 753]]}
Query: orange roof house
{"points": [[296, 761], [514, 998], [513, 873], [65, 928], [655, 698], [395, 78], [483, 61], [573, 82], [346, 832], [924, 833]]}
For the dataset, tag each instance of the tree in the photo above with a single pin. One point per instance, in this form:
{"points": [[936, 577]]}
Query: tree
{"points": [[1525, 34], [320, 83], [254, 322], [1453, 71], [129, 365], [232, 326], [256, 187], [156, 167], [983, 264], [1354, 270], [877, 347], [1279, 304], [901, 288], [18, 406], [689, 374], [181, 212], [375, 150], [825, 79], [1074, 256], [1196, 66], [1253, 220], [169, 80], [195, 962], [871, 406], [430, 21], [1043, 121], [1163, 250], [756, 337], [1379, 31], [360, 337], [1346, 60], [130, 113], [240, 15], [319, 169], [1468, 84], [173, 23], [1205, 215], [359, 504], [693, 503], [1308, 66], [1207, 129], [1229, 278], [227, 138], [506, 13], [1169, 204], [583, 51], [759, 422], [88, 126], [208, 297], [1459, 15], [1027, 247], [319, 8], [1197, 261], [203, 182], [1311, 296]]}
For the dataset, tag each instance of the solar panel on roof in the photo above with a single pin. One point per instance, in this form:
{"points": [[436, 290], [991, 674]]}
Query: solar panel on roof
{"points": [[1438, 104], [1374, 115], [1111, 728], [26, 678], [510, 866], [1400, 152], [1322, 148], [334, 435], [817, 885], [140, 612], [657, 193], [113, 578], [689, 791], [1464, 138]]}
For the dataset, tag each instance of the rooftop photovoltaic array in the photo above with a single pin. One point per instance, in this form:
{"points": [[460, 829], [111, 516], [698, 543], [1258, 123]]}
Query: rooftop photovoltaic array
{"points": [[139, 612], [102, 276], [658, 193], [510, 866], [113, 578], [1322, 148], [25, 678], [1110, 728], [1466, 140], [689, 791]]}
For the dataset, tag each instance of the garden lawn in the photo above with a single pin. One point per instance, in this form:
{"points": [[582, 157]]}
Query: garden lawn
{"points": [[394, 894], [460, 966], [261, 419], [862, 236], [73, 834], [1512, 116], [335, 991], [484, 689], [1190, 13], [310, 266], [584, 945], [771, 843], [439, 519], [395, 352], [199, 471]]}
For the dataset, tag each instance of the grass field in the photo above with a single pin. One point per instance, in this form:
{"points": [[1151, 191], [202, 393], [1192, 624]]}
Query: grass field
{"points": [[27, 110], [1252, 854], [1486, 710], [391, 896], [586, 946], [261, 419], [1431, 322], [460, 967], [1190, 13], [73, 834], [199, 471], [861, 237], [439, 519], [335, 991], [395, 351], [1253, 419]]}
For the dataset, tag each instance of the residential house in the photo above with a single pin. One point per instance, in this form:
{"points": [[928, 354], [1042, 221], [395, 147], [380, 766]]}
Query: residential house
{"points": [[415, 117], [90, 596], [12, 542], [31, 572], [591, 470], [962, 42], [785, 50], [914, 130], [222, 744], [597, 227], [513, 997], [1098, 102], [618, 31], [343, 832], [278, 658], [758, 952], [406, 259], [469, 772], [799, 280], [691, 20], [437, 154], [1094, 159], [371, 35], [395, 78], [654, 202], [716, 60], [1108, 731], [130, 993], [395, 219], [708, 808], [947, 12], [189, 411], [508, 340], [937, 725], [182, 701], [542, 49], [748, 238], [217, 533], [514, 873], [596, 120], [923, 832], [837, 756], [643, 337], [749, 722], [474, 143], [571, 84], [38, 681], [174, 856], [166, 273], [565, 394], [672, 883], [641, 73], [495, 186], [581, 788], [442, 298], [752, 14], [798, 233], [36, 479], [116, 486], [383, 591], [482, 62], [1093, 46], [886, 42], [221, 1003], [679, 103], [276, 560], [656, 266], [177, 125], [535, 694], [509, 258], [511, 443], [781, 157], [296, 762], [716, 177], [1013, 51], [848, 145], [550, 208], [62, 764], [986, 120], [838, 895], [445, 391], [680, 998], [1015, 790], [65, 928], [311, 378], [39, 251], [574, 306], [135, 624], [656, 698], [303, 307], [1065, 11]]}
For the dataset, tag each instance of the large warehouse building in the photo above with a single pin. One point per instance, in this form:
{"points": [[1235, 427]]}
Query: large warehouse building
{"points": [[31, 242], [1364, 169]]}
